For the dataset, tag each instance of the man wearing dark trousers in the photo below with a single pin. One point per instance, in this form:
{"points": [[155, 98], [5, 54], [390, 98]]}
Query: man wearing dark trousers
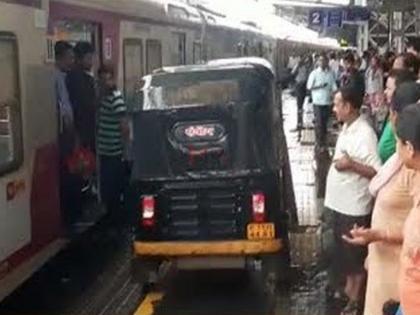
{"points": [[82, 90], [112, 136], [69, 183], [322, 85], [301, 72]]}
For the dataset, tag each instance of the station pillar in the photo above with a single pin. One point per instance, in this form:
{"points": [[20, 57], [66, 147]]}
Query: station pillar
{"points": [[417, 7], [363, 28], [397, 32], [363, 36]]}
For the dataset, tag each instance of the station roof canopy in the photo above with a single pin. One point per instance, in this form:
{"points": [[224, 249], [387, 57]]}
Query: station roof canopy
{"points": [[311, 3], [259, 16], [222, 64]]}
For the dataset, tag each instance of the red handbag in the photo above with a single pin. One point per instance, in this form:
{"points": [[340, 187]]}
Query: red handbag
{"points": [[82, 162]]}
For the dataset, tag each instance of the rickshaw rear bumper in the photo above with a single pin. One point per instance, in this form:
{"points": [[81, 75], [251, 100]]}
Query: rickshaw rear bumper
{"points": [[207, 248]]}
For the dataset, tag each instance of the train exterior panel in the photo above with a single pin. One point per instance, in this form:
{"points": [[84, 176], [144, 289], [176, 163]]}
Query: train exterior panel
{"points": [[29, 199]]}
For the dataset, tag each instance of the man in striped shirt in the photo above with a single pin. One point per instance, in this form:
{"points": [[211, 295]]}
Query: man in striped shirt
{"points": [[111, 137]]}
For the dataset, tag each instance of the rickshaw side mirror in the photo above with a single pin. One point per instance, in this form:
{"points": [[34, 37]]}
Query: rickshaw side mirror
{"points": [[139, 91]]}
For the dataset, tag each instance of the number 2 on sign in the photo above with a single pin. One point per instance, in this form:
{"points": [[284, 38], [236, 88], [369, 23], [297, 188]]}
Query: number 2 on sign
{"points": [[316, 18]]}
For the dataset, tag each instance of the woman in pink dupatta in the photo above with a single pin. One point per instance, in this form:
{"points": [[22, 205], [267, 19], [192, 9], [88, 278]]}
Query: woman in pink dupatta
{"points": [[408, 146], [391, 187]]}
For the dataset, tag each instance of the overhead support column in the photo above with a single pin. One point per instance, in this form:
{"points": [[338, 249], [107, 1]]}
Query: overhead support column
{"points": [[363, 36], [397, 33], [362, 28], [417, 6]]}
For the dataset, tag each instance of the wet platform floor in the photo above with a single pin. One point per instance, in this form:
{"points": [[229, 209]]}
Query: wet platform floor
{"points": [[236, 293], [208, 293]]}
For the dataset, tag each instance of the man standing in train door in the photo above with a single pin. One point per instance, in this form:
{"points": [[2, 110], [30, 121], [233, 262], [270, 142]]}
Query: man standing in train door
{"points": [[322, 85], [82, 91], [64, 57], [113, 133]]}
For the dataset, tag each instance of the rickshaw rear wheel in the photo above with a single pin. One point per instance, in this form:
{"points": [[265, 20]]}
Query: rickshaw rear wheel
{"points": [[278, 271], [145, 271], [273, 273]]}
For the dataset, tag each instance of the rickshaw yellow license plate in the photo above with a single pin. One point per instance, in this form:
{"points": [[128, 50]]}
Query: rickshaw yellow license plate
{"points": [[261, 231]]}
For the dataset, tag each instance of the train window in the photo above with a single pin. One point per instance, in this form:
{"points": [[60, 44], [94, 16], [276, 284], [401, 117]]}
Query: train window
{"points": [[153, 55], [74, 31], [197, 52], [11, 150], [179, 48], [133, 67], [177, 12]]}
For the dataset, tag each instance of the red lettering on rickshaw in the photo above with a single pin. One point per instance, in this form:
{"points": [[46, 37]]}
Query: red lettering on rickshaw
{"points": [[199, 131]]}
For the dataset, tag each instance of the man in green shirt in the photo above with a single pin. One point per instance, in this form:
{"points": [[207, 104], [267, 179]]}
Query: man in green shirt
{"points": [[112, 134], [387, 141]]}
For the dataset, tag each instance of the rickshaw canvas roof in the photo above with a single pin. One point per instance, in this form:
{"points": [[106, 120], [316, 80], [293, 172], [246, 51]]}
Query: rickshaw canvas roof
{"points": [[222, 64]]}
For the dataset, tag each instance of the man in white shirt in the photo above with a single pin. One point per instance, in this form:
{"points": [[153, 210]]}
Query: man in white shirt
{"points": [[322, 84], [293, 61], [347, 197], [334, 66]]}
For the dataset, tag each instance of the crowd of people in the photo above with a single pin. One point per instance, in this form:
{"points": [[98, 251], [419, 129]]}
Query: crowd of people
{"points": [[372, 198], [93, 129]]}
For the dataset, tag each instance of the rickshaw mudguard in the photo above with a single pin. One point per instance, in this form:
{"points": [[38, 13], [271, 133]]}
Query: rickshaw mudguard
{"points": [[207, 248]]}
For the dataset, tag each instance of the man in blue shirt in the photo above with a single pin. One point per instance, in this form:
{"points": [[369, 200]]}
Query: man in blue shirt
{"points": [[70, 184], [322, 85], [64, 57]]}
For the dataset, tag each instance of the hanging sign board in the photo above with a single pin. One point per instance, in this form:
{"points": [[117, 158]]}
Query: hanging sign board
{"points": [[316, 18]]}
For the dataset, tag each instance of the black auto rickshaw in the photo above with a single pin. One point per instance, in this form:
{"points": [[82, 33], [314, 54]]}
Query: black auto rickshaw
{"points": [[211, 174]]}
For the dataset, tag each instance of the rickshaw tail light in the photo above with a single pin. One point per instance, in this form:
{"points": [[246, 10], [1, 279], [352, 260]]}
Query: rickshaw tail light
{"points": [[148, 207], [258, 207]]}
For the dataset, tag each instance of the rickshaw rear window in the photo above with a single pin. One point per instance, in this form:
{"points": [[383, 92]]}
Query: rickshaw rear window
{"points": [[174, 91], [204, 92]]}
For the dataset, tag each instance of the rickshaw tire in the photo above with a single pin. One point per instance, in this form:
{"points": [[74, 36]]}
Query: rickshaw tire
{"points": [[147, 288], [141, 271], [284, 271], [276, 273]]}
